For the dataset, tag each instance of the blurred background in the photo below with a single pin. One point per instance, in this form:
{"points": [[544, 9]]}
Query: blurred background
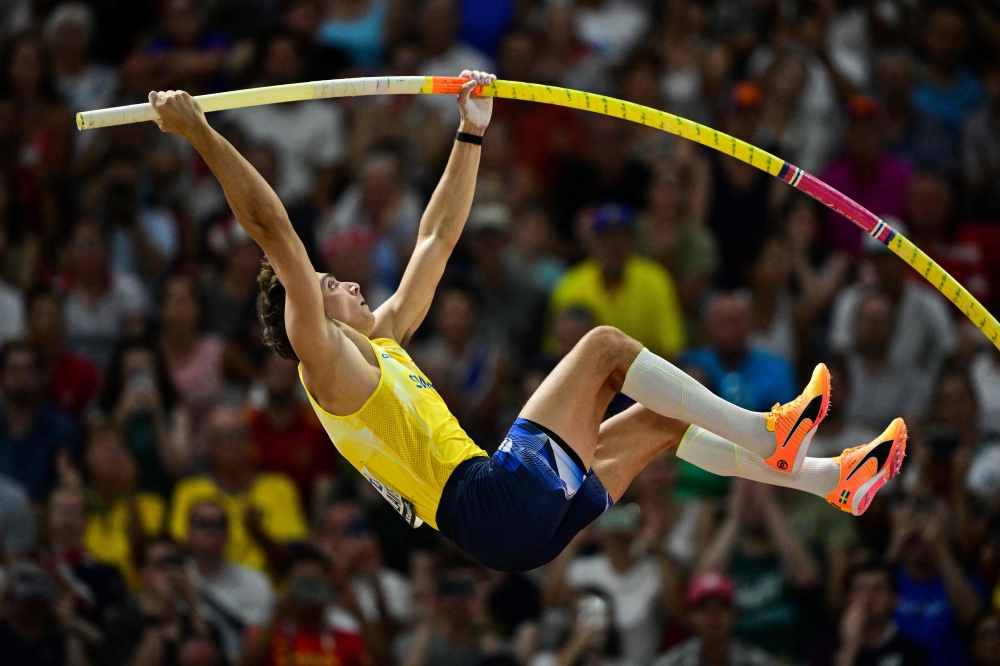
{"points": [[167, 497]]}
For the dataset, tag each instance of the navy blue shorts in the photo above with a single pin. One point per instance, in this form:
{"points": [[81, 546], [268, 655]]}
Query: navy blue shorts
{"points": [[520, 508]]}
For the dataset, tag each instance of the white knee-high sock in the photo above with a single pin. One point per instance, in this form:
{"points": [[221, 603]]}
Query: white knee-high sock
{"points": [[712, 453], [669, 391]]}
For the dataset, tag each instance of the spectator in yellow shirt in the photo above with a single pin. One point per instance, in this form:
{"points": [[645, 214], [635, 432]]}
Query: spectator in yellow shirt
{"points": [[263, 508], [619, 287], [117, 514]]}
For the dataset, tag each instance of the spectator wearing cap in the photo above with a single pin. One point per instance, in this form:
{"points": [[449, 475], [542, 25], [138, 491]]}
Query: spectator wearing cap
{"points": [[619, 287], [867, 634], [638, 584], [921, 331], [310, 137], [286, 437], [512, 305], [737, 200], [866, 173], [771, 568], [33, 434], [232, 598], [712, 616], [262, 508], [29, 630]]}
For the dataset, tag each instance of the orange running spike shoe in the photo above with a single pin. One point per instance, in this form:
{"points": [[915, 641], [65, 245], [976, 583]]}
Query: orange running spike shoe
{"points": [[864, 469], [795, 423]]}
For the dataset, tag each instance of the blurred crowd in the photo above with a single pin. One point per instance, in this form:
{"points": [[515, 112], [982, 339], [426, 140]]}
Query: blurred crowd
{"points": [[167, 496]]}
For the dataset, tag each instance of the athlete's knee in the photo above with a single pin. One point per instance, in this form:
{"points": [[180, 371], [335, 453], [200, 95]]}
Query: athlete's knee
{"points": [[610, 345]]}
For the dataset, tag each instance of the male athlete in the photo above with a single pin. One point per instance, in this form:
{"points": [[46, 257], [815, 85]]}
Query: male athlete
{"points": [[560, 467]]}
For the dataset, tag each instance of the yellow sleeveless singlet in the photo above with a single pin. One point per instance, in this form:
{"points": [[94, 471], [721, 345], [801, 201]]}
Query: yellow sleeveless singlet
{"points": [[404, 439]]}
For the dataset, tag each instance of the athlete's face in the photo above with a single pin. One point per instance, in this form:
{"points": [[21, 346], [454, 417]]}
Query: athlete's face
{"points": [[343, 302]]}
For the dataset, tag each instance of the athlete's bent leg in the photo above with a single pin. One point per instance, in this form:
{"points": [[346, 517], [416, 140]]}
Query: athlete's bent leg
{"points": [[631, 440], [572, 400]]}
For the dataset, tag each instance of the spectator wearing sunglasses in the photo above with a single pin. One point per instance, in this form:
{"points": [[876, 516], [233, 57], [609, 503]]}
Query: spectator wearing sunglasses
{"points": [[233, 598]]}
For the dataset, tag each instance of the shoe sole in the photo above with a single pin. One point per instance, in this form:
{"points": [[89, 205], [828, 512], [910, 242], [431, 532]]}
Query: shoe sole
{"points": [[863, 497]]}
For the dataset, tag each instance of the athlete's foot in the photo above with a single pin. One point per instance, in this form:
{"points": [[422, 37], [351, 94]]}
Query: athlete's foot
{"points": [[795, 423], [864, 469]]}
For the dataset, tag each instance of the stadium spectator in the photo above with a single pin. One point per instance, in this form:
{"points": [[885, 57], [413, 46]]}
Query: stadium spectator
{"points": [[737, 200], [18, 533], [464, 365], [923, 141], [449, 630], [300, 632], [867, 173], [985, 649], [81, 83], [120, 515], [138, 398], [194, 359], [345, 535], [359, 27], [880, 384], [739, 372], [12, 306], [232, 598], [444, 53], [29, 629], [71, 381], [931, 218], [620, 288], [33, 434], [921, 335], [981, 154], [262, 508], [937, 599], [511, 307], [712, 615], [183, 54], [633, 580], [286, 435], [100, 306], [770, 567], [96, 591], [867, 633], [672, 233], [592, 637], [310, 137], [948, 91], [143, 238], [162, 617]]}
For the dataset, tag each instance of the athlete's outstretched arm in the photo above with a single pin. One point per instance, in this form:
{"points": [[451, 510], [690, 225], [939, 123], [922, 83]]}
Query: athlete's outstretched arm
{"points": [[442, 222], [260, 212]]}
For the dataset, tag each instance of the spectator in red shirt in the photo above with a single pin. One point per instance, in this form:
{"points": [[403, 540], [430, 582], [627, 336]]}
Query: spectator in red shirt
{"points": [[300, 632], [929, 209], [72, 379], [286, 436]]}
